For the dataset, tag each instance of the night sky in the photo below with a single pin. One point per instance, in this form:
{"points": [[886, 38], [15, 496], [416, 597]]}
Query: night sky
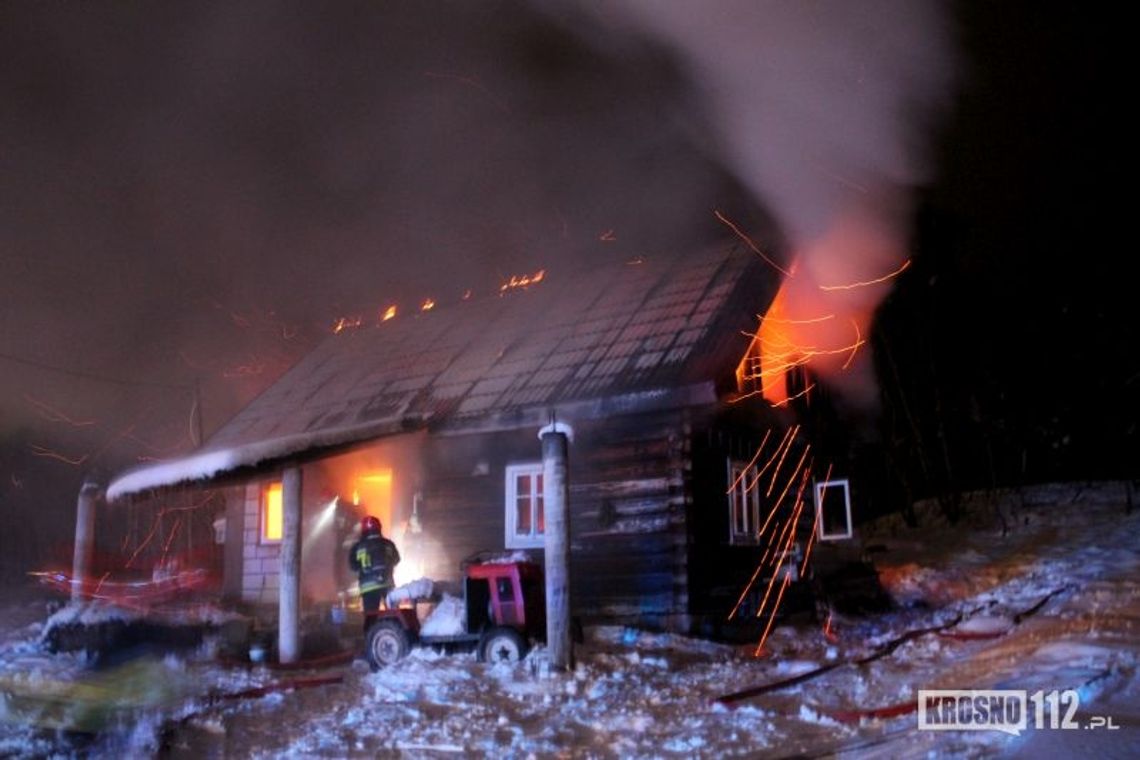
{"points": [[192, 193]]}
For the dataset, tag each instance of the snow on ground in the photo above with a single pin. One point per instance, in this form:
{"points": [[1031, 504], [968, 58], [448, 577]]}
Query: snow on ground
{"points": [[1054, 603]]}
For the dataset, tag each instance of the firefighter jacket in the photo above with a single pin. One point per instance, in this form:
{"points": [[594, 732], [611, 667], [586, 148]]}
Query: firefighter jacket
{"points": [[374, 559]]}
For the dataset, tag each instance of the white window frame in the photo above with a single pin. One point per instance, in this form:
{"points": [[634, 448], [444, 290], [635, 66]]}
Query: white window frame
{"points": [[743, 488], [820, 486], [534, 539]]}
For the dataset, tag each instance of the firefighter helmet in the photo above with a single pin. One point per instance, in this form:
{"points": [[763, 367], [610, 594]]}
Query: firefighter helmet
{"points": [[369, 524]]}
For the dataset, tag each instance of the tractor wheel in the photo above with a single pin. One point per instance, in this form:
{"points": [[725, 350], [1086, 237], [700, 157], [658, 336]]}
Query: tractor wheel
{"points": [[502, 645], [387, 643]]}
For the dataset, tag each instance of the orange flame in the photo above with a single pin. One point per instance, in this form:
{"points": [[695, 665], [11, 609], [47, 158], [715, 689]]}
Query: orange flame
{"points": [[427, 305], [345, 323], [522, 280], [823, 310], [389, 313]]}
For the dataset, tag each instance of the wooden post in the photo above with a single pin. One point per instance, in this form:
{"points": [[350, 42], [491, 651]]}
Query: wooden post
{"points": [[233, 555], [289, 606], [556, 497], [84, 538]]}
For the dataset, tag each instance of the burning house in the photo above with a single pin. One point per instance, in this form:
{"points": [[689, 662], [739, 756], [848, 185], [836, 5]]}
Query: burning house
{"points": [[681, 474]]}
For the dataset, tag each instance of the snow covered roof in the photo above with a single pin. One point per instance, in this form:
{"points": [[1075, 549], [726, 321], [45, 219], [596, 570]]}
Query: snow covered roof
{"points": [[639, 330]]}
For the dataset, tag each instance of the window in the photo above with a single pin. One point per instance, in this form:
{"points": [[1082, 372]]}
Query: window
{"points": [[271, 514], [743, 503], [525, 519], [833, 509]]}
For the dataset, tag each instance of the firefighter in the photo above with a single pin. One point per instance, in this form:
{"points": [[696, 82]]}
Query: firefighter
{"points": [[374, 559]]}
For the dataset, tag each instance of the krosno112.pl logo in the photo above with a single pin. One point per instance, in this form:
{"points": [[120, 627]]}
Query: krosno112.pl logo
{"points": [[1008, 710]]}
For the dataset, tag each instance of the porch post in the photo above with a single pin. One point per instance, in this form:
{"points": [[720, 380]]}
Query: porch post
{"points": [[289, 606], [555, 497], [84, 537]]}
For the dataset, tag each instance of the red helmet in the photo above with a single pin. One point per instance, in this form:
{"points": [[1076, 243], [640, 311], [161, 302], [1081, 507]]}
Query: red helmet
{"points": [[369, 524]]}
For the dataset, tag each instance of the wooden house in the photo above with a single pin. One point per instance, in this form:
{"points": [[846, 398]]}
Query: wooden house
{"points": [[430, 419]]}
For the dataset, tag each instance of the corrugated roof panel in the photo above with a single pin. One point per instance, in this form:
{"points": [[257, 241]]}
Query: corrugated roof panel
{"points": [[549, 376], [650, 359], [565, 358], [689, 337], [496, 384], [473, 404], [658, 342], [602, 330], [414, 382], [453, 390]]}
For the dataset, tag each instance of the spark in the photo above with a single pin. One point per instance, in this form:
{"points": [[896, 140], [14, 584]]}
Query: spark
{"points": [[752, 580], [156, 524], [865, 283], [776, 471], [855, 346], [389, 313], [792, 477], [751, 244], [788, 321], [748, 466], [470, 82], [827, 632], [814, 526], [467, 295], [787, 441], [254, 367], [608, 236], [158, 450], [843, 180], [788, 526], [190, 362], [52, 414], [783, 587], [789, 399], [427, 305], [40, 451]]}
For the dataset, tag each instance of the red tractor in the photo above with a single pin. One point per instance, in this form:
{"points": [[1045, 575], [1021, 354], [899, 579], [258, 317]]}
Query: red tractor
{"points": [[504, 606]]}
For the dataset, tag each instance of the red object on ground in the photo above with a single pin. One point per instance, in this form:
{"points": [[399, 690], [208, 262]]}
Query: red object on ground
{"points": [[878, 713]]}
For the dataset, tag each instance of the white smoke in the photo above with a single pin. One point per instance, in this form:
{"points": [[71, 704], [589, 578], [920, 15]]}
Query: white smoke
{"points": [[824, 110]]}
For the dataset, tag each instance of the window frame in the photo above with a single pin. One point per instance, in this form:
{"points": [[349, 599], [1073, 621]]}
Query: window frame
{"points": [[740, 475], [535, 539], [848, 529]]}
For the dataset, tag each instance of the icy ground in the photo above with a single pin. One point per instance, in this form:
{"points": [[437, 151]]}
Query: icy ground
{"points": [[1054, 604]]}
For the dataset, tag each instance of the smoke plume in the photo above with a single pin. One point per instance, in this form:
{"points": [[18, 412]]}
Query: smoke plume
{"points": [[823, 110]]}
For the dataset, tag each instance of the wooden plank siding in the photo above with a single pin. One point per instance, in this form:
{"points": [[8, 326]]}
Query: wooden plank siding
{"points": [[719, 570], [629, 498]]}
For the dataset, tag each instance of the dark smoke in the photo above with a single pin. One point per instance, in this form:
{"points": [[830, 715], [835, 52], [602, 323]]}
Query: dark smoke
{"points": [[192, 193]]}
